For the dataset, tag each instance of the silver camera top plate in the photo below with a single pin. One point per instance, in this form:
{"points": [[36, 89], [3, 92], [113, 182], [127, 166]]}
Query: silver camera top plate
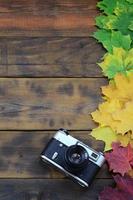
{"points": [[68, 140]]}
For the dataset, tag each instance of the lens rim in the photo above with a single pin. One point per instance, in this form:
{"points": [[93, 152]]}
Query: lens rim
{"points": [[84, 157]]}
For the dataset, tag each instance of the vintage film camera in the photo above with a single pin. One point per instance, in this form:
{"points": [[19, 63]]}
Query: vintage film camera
{"points": [[72, 157]]}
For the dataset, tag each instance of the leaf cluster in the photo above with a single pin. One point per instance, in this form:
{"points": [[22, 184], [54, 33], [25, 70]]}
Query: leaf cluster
{"points": [[115, 114], [116, 35], [115, 119], [115, 12]]}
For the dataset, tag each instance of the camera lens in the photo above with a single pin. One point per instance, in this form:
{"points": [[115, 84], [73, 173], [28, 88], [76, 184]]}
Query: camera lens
{"points": [[76, 157]]}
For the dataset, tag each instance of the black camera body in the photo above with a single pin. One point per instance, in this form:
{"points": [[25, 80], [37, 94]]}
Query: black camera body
{"points": [[72, 157]]}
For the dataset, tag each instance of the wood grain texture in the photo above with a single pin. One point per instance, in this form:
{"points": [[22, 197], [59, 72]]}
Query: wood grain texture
{"points": [[38, 104], [39, 18], [50, 57], [20, 151], [50, 190], [50, 51], [46, 7], [3, 70]]}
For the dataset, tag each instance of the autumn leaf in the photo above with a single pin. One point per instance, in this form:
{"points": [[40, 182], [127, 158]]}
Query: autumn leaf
{"points": [[124, 118], [113, 39], [119, 62], [117, 110], [114, 22], [107, 6], [115, 115], [103, 116], [121, 88], [114, 6], [122, 6], [105, 134], [125, 139], [124, 183], [106, 22], [120, 160], [123, 190]]}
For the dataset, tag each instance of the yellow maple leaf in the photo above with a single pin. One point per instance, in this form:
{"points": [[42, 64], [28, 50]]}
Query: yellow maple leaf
{"points": [[105, 134], [117, 110], [124, 118], [120, 88], [125, 139], [103, 115]]}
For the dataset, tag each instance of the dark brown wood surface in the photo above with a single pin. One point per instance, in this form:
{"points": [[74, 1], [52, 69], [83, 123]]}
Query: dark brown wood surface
{"points": [[47, 18], [47, 189], [50, 57], [48, 79], [20, 150], [48, 103]]}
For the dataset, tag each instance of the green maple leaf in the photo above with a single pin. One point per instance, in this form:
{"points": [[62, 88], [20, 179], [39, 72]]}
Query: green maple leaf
{"points": [[122, 6], [107, 6], [106, 22], [122, 23], [115, 6], [113, 39], [121, 61]]}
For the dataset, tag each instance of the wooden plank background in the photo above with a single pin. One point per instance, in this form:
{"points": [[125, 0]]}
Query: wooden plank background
{"points": [[49, 18], [48, 79]]}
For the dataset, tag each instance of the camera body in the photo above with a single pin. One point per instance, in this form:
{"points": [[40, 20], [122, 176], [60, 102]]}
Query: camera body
{"points": [[72, 157]]}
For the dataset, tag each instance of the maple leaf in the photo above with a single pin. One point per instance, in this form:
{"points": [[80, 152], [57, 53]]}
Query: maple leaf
{"points": [[123, 190], [117, 111], [124, 183], [107, 6], [113, 22], [120, 61], [114, 6], [103, 115], [105, 134], [121, 88], [125, 139], [124, 118], [113, 39], [120, 160], [106, 22], [122, 6]]}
